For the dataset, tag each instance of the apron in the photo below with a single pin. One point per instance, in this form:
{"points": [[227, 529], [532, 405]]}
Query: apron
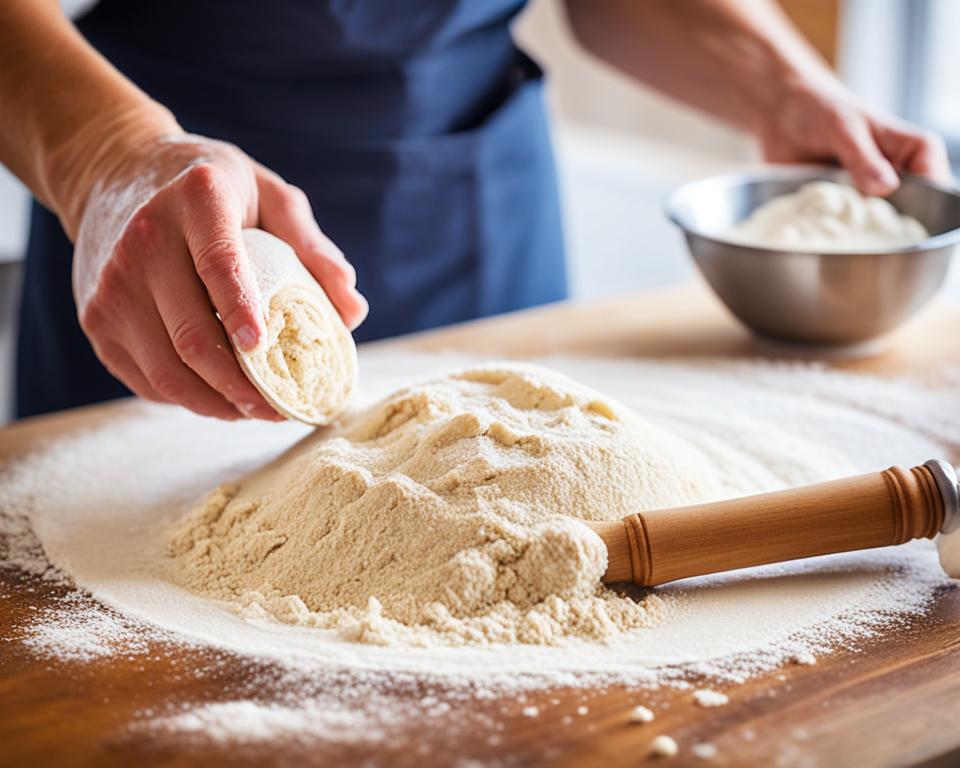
{"points": [[416, 128]]}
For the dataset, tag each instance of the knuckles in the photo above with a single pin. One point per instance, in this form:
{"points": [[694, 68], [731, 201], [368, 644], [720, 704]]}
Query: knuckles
{"points": [[837, 122], [91, 319], [297, 199], [218, 260], [202, 181], [166, 384], [143, 232], [189, 340]]}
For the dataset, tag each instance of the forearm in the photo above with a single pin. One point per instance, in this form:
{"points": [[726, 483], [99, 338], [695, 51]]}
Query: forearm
{"points": [[732, 58], [65, 113]]}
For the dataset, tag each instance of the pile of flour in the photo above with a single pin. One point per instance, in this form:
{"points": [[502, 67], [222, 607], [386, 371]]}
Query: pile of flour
{"points": [[446, 514], [823, 216]]}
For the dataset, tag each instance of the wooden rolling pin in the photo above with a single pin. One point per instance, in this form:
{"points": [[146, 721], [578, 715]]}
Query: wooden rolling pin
{"points": [[875, 510]]}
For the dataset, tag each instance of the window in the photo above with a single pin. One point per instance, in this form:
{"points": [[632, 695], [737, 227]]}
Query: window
{"points": [[903, 56], [932, 88]]}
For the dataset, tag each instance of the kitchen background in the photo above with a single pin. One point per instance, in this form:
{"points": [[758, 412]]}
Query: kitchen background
{"points": [[621, 149]]}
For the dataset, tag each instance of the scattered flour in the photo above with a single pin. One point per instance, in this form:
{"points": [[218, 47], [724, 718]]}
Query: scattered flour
{"points": [[80, 633], [706, 697], [823, 216], [247, 721], [641, 714], [761, 426], [704, 750], [664, 746]]}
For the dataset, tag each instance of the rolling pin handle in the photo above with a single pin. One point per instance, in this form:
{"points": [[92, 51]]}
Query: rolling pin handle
{"points": [[876, 510]]}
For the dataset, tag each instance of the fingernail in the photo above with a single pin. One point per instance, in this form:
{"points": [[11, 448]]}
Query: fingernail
{"points": [[245, 337]]}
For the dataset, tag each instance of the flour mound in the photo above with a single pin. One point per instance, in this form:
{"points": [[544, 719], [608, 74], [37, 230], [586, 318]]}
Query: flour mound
{"points": [[446, 514], [823, 216]]}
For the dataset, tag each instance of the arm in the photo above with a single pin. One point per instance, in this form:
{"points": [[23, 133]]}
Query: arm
{"points": [[155, 214], [65, 109], [743, 61]]}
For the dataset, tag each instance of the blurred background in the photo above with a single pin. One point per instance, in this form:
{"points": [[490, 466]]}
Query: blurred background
{"points": [[621, 149]]}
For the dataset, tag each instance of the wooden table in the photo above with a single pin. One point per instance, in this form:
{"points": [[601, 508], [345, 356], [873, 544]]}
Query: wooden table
{"points": [[894, 701]]}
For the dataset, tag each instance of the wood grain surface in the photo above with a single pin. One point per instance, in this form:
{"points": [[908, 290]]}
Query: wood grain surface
{"points": [[892, 700]]}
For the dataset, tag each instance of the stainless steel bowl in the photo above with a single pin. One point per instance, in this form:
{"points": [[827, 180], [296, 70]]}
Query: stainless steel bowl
{"points": [[815, 298]]}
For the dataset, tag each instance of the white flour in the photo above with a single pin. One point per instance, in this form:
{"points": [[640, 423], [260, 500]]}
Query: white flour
{"points": [[100, 499], [706, 697], [80, 632], [246, 721]]}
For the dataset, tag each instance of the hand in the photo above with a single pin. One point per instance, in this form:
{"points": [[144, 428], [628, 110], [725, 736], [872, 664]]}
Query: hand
{"points": [[159, 250], [814, 123]]}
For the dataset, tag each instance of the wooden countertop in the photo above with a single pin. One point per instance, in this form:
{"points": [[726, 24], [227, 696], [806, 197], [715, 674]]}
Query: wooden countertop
{"points": [[895, 700]]}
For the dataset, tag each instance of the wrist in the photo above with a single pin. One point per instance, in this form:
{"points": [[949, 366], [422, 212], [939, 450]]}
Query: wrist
{"points": [[793, 79], [96, 153]]}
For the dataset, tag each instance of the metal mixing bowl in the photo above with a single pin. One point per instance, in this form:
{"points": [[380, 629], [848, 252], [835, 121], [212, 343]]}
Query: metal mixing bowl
{"points": [[815, 298]]}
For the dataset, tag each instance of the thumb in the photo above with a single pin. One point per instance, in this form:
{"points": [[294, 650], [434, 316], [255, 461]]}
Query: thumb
{"points": [[213, 220]]}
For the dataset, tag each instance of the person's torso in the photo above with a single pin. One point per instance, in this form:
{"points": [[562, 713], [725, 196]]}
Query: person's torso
{"points": [[335, 70]]}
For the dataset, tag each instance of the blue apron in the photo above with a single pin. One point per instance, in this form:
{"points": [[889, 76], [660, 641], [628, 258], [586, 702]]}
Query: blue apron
{"points": [[416, 128]]}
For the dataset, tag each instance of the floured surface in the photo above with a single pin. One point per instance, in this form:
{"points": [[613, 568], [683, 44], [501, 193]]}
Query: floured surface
{"points": [[763, 426]]}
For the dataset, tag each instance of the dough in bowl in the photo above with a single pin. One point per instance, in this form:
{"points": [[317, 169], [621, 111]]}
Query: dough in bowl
{"points": [[825, 217]]}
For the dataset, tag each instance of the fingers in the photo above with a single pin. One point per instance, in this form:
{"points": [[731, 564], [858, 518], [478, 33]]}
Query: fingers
{"points": [[857, 150], [211, 213], [199, 339], [164, 262], [913, 151], [169, 376], [152, 325], [130, 339], [285, 212], [121, 366]]}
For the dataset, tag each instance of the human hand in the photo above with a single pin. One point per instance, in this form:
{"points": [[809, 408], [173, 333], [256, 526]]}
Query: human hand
{"points": [[159, 251], [821, 122]]}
